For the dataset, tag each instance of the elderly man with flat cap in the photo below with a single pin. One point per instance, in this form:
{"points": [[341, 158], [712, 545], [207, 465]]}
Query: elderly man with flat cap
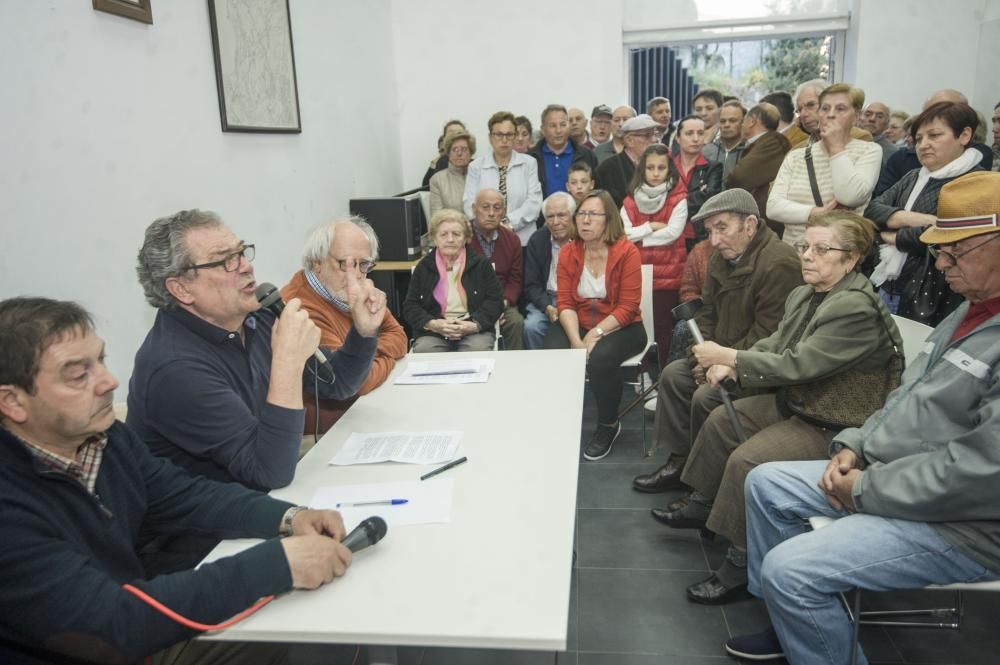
{"points": [[615, 174], [913, 492], [750, 274]]}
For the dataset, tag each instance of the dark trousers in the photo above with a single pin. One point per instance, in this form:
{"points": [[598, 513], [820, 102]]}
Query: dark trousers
{"points": [[604, 364], [663, 323]]}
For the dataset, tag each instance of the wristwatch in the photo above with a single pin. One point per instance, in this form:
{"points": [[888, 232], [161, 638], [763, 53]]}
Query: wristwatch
{"points": [[286, 521], [599, 330]]}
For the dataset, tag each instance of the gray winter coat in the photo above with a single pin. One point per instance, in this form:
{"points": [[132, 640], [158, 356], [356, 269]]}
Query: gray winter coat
{"points": [[933, 451]]}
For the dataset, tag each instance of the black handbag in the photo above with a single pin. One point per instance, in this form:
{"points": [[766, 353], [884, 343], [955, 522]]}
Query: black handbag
{"points": [[848, 398]]}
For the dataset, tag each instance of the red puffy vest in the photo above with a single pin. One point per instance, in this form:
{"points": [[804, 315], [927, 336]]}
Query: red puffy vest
{"points": [[667, 260]]}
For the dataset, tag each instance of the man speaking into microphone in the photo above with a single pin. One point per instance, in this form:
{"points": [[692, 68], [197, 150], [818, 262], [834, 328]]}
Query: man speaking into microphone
{"points": [[217, 383]]}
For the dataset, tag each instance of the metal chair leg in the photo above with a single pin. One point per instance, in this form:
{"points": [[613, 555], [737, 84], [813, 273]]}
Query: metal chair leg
{"points": [[856, 631]]}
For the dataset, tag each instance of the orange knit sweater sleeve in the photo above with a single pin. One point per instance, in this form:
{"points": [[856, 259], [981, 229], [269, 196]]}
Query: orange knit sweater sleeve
{"points": [[334, 326]]}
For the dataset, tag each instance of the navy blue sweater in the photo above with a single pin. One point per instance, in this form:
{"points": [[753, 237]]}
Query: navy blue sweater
{"points": [[65, 553], [198, 397]]}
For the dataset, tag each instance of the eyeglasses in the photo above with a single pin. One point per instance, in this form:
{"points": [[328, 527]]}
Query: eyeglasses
{"points": [[503, 136], [951, 258], [807, 106], [230, 262], [590, 213], [459, 150], [364, 265], [818, 250]]}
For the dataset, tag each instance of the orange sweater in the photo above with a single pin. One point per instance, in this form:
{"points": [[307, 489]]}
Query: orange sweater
{"points": [[622, 278], [334, 326]]}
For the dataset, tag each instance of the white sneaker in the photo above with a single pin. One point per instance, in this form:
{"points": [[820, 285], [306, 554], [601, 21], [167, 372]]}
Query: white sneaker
{"points": [[650, 404]]}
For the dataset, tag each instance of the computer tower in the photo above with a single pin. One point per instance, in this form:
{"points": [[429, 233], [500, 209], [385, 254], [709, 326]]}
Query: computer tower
{"points": [[398, 222]]}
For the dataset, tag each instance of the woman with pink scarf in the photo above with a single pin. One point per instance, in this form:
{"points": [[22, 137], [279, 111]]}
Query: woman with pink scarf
{"points": [[454, 299]]}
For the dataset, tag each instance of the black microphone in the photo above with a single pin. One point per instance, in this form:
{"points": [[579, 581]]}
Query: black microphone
{"points": [[366, 534], [269, 298]]}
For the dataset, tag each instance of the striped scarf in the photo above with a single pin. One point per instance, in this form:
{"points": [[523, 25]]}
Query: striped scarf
{"points": [[441, 290], [324, 293]]}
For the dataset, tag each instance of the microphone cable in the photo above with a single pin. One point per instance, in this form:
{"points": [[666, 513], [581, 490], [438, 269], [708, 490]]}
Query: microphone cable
{"points": [[313, 369], [205, 627], [189, 623]]}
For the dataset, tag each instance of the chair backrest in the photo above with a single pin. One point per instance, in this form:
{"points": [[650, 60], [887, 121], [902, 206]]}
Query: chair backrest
{"points": [[914, 335], [646, 302]]}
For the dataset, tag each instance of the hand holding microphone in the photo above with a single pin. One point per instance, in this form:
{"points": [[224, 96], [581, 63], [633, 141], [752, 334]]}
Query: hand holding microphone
{"points": [[314, 560], [294, 333]]}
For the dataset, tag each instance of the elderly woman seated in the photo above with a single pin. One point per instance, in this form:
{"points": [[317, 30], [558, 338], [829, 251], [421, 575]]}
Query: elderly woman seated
{"points": [[831, 363], [454, 299], [599, 284], [448, 186]]}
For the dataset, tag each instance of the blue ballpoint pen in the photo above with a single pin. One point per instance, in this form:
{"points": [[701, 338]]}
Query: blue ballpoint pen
{"points": [[384, 502]]}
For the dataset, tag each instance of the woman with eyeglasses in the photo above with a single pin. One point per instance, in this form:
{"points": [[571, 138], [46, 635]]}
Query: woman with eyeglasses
{"points": [[831, 363], [511, 173], [909, 283], [440, 163], [598, 289], [448, 186], [454, 298]]}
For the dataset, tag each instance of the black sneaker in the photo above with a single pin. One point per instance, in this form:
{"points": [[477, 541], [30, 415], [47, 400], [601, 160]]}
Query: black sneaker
{"points": [[600, 444], [759, 646]]}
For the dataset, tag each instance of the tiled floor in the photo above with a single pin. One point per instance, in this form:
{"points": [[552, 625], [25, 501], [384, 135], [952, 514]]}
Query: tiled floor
{"points": [[627, 605]]}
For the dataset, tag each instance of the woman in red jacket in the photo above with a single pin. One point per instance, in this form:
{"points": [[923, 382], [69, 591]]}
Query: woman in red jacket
{"points": [[655, 218], [599, 284]]}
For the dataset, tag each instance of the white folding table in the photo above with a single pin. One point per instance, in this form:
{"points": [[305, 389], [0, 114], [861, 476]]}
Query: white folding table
{"points": [[498, 575]]}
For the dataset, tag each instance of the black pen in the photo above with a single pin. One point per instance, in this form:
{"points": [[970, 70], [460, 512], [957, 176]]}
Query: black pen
{"points": [[444, 468]]}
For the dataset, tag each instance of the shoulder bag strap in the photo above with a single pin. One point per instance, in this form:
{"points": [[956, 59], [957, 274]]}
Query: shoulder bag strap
{"points": [[812, 177]]}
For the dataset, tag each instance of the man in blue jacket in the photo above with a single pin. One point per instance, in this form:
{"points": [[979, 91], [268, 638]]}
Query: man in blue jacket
{"points": [[78, 488], [913, 491]]}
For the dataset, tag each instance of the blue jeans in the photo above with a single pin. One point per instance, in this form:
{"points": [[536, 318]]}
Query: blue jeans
{"points": [[798, 572], [536, 325]]}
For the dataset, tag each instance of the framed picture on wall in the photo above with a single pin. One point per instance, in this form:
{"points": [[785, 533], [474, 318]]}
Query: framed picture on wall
{"points": [[138, 10], [255, 65]]}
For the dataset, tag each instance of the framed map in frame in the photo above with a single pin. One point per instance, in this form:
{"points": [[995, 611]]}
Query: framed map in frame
{"points": [[138, 10], [255, 66]]}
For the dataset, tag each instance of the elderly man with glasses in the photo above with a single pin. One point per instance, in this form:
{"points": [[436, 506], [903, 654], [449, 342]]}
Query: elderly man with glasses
{"points": [[913, 491], [334, 253], [217, 383]]}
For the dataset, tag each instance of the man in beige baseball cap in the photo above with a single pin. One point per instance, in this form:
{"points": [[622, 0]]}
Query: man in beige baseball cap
{"points": [[914, 490]]}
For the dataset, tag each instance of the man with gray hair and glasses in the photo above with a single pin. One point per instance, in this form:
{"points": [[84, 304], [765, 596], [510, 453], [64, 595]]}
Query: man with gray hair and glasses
{"points": [[541, 256], [217, 383], [334, 253]]}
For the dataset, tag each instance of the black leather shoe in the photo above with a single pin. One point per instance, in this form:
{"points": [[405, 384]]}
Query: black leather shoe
{"points": [[674, 521], [714, 592], [678, 504], [664, 479]]}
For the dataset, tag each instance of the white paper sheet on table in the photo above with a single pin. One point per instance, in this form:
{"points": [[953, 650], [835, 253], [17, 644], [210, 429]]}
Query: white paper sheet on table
{"points": [[426, 372], [428, 502], [406, 447]]}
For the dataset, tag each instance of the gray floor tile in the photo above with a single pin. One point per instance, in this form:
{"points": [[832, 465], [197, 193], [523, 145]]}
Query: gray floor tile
{"points": [[976, 643], [443, 656], [642, 611], [632, 539], [657, 659], [610, 486]]}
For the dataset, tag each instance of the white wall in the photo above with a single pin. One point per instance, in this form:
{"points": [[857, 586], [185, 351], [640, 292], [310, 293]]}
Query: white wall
{"points": [[466, 60], [107, 123], [906, 50]]}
